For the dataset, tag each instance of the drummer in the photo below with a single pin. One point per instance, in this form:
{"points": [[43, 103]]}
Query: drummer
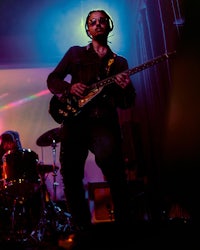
{"points": [[9, 142]]}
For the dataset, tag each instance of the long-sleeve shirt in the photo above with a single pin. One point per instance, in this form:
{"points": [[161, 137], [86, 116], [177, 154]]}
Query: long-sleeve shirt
{"points": [[85, 66]]}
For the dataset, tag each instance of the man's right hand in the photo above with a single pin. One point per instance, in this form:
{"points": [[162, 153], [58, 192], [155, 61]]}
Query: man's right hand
{"points": [[78, 89]]}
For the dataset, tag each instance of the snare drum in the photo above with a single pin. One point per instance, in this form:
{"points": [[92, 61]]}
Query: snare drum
{"points": [[20, 172]]}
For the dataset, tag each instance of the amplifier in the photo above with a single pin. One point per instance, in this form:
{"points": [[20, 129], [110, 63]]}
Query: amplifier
{"points": [[100, 202]]}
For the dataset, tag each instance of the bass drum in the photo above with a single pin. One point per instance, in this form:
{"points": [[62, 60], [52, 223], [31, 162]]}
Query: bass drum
{"points": [[20, 172]]}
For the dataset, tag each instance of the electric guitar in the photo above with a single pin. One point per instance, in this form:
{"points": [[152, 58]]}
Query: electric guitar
{"points": [[72, 105]]}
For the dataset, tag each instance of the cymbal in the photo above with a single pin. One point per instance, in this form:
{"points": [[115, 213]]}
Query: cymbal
{"points": [[49, 137]]}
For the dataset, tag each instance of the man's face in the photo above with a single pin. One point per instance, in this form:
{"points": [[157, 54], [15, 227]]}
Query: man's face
{"points": [[98, 25]]}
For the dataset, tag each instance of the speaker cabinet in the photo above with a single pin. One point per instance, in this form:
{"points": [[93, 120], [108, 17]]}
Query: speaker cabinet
{"points": [[100, 201]]}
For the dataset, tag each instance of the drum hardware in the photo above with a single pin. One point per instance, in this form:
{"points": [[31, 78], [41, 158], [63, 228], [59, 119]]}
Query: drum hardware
{"points": [[51, 138], [53, 220], [17, 219], [45, 168], [55, 183]]}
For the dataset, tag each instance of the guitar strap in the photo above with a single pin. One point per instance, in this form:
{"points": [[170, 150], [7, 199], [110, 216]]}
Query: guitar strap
{"points": [[110, 62]]}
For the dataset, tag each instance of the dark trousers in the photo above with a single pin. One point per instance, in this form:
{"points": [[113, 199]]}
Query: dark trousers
{"points": [[103, 138]]}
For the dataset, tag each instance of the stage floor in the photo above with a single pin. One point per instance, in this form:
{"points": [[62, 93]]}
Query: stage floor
{"points": [[107, 236]]}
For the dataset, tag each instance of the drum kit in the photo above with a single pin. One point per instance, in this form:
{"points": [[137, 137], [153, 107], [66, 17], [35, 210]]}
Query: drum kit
{"points": [[27, 211]]}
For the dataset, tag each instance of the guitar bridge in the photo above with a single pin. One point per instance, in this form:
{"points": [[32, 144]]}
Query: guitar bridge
{"points": [[93, 92]]}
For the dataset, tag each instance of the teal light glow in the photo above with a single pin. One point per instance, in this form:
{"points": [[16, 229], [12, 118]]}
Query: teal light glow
{"points": [[44, 32]]}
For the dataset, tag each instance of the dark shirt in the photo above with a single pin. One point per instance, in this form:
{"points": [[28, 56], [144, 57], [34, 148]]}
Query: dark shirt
{"points": [[85, 66]]}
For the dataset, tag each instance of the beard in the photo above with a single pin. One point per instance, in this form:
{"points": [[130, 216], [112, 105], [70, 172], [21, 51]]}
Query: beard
{"points": [[102, 38]]}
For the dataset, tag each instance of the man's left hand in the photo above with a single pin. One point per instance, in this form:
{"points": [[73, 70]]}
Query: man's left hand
{"points": [[122, 79]]}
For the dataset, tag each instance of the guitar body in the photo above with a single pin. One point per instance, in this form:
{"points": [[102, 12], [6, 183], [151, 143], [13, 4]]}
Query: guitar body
{"points": [[72, 105], [60, 111]]}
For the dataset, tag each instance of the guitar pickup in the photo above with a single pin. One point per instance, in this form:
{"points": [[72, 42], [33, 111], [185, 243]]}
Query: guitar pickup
{"points": [[63, 113]]}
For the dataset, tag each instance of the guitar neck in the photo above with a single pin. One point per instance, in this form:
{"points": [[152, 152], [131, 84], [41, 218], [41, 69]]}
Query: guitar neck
{"points": [[134, 70]]}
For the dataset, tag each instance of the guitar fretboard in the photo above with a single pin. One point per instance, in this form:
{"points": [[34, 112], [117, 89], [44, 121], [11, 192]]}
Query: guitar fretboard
{"points": [[134, 70]]}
